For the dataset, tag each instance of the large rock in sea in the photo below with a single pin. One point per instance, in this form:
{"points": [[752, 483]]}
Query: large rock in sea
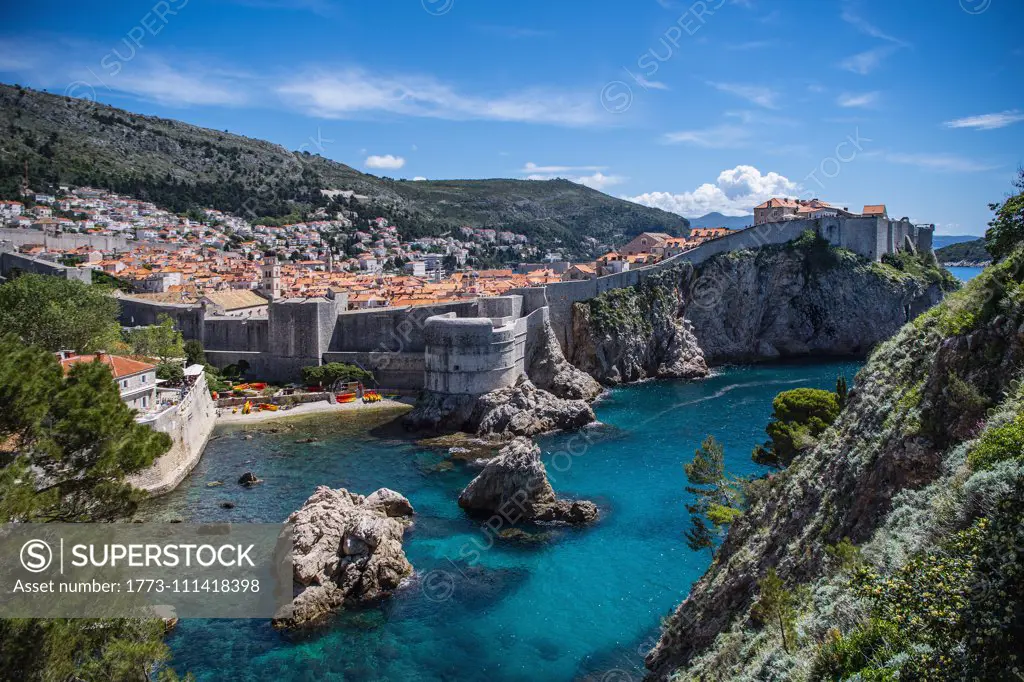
{"points": [[519, 410], [515, 485], [347, 552]]}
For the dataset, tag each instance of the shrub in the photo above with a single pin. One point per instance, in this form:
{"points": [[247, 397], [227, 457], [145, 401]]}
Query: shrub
{"points": [[798, 418], [998, 444], [334, 372]]}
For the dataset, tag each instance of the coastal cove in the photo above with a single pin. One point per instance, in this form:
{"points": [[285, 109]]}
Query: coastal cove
{"points": [[573, 603]]}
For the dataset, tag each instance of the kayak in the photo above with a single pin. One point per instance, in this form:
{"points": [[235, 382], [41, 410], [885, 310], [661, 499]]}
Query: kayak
{"points": [[346, 397], [269, 407]]}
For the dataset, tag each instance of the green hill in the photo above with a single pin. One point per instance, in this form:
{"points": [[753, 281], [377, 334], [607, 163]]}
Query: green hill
{"points": [[180, 166], [972, 252]]}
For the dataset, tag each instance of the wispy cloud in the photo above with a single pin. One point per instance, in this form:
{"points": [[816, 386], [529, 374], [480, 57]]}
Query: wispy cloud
{"points": [[939, 162], [352, 92], [862, 100], [758, 94], [387, 161], [648, 84], [987, 121], [867, 61], [716, 137], [596, 180]]}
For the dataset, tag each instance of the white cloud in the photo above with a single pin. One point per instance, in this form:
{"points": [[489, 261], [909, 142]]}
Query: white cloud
{"points": [[735, 192], [758, 94], [386, 161], [862, 100], [648, 84], [864, 26], [939, 162], [987, 121], [865, 62], [353, 92], [717, 137], [531, 167], [596, 180]]}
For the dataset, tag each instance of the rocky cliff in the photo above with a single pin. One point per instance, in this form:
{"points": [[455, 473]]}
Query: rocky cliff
{"points": [[898, 538], [804, 298]]}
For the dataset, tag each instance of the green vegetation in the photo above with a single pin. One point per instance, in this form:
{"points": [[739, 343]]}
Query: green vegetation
{"points": [[999, 444], [161, 341], [72, 440], [58, 314], [335, 372], [718, 499], [1006, 231], [109, 281], [971, 252], [194, 352], [776, 607], [70, 141], [923, 266], [66, 445], [842, 391], [799, 416]]}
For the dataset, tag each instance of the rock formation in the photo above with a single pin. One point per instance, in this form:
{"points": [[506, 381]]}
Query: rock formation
{"points": [[347, 552], [548, 369], [519, 410], [892, 478], [637, 333], [515, 485]]}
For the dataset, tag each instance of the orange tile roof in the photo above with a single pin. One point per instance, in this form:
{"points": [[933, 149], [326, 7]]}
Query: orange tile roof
{"points": [[120, 366]]}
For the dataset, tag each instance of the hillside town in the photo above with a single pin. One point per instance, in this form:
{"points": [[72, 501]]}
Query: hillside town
{"points": [[236, 266]]}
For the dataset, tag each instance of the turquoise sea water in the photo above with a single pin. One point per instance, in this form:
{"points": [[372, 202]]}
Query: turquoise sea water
{"points": [[965, 274], [581, 603]]}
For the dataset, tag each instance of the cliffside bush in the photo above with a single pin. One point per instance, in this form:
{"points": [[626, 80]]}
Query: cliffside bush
{"points": [[1006, 231], [999, 444], [334, 372], [799, 416]]}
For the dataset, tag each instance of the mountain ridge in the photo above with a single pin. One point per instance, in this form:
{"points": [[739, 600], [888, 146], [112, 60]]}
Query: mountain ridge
{"points": [[180, 166]]}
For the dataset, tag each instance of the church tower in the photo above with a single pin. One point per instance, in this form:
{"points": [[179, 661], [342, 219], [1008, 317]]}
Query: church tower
{"points": [[271, 279]]}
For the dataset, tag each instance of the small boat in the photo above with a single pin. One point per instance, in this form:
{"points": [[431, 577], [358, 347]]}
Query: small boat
{"points": [[258, 386], [239, 387], [371, 397], [269, 407], [247, 407], [346, 397]]}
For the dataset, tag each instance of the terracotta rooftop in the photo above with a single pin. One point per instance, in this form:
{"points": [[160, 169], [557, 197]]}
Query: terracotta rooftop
{"points": [[120, 366]]}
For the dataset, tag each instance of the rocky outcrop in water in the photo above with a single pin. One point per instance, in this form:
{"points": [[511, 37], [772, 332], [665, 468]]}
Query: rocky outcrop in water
{"points": [[519, 410], [637, 333], [548, 369], [515, 485], [893, 479], [347, 552]]}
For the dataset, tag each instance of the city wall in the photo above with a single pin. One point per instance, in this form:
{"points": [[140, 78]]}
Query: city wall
{"points": [[11, 262], [466, 346]]}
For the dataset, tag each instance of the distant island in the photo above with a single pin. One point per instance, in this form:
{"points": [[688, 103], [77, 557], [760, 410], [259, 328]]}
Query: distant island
{"points": [[970, 254]]}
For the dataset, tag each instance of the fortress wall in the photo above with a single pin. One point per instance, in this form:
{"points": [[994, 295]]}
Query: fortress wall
{"points": [[10, 261], [188, 319], [472, 356], [235, 333], [390, 329], [64, 241], [500, 306], [302, 328], [390, 370]]}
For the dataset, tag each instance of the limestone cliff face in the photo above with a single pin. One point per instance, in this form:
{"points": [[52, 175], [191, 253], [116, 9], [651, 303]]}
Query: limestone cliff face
{"points": [[799, 299], [893, 475], [548, 369], [637, 333]]}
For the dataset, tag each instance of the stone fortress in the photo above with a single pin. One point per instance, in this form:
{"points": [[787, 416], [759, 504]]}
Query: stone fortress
{"points": [[468, 347]]}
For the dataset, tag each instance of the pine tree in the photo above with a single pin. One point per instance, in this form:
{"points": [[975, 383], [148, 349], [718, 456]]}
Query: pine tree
{"points": [[776, 605]]}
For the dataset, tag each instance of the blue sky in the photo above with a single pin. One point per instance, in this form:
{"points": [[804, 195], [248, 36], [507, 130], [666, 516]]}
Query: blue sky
{"points": [[689, 106]]}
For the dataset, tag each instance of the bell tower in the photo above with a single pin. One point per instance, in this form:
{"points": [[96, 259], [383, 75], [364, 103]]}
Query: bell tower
{"points": [[271, 279]]}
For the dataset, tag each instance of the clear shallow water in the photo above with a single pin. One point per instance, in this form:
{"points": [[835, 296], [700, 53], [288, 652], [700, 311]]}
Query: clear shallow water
{"points": [[581, 603], [965, 274]]}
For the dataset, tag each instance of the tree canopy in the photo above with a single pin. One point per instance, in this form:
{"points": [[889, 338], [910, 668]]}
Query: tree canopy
{"points": [[799, 416], [718, 500], [69, 440], [1006, 230], [56, 314], [334, 372], [161, 340]]}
